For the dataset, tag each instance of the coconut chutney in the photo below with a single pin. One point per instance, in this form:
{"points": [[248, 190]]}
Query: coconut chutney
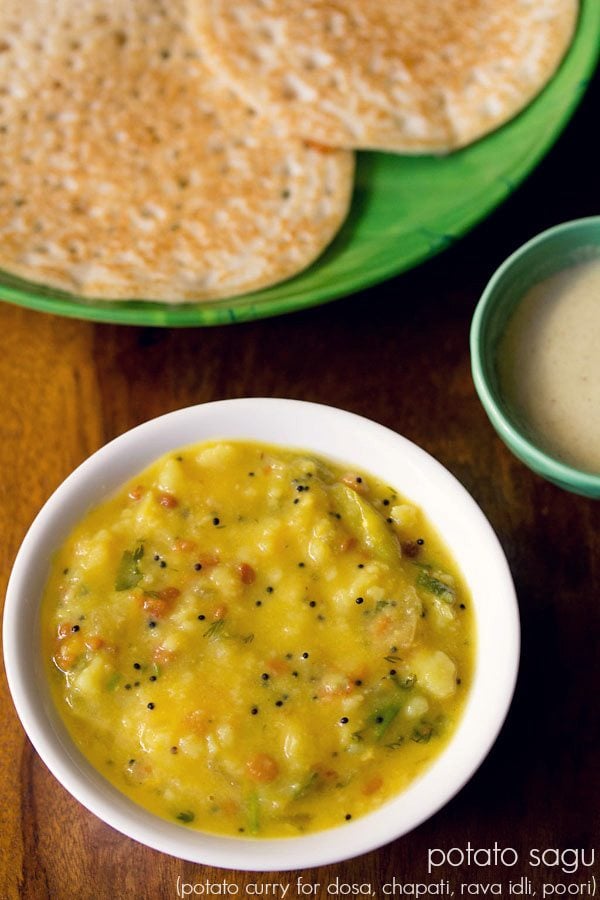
{"points": [[549, 364]]}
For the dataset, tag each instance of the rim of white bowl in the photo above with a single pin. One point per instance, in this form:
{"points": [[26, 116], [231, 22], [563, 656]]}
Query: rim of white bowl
{"points": [[339, 435]]}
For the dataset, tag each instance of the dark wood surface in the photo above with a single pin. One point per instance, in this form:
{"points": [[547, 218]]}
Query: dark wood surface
{"points": [[398, 354]]}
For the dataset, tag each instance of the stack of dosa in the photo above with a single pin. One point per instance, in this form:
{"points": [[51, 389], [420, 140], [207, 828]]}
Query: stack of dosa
{"points": [[178, 151], [129, 171]]}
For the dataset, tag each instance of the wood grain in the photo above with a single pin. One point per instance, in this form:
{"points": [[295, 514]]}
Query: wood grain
{"points": [[398, 354]]}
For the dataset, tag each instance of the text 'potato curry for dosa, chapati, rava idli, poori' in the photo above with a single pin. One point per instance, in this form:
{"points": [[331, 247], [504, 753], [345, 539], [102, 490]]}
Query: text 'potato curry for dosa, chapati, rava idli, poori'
{"points": [[189, 151]]}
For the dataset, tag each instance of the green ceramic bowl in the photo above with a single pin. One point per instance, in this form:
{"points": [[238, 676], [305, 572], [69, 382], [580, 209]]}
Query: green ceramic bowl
{"points": [[540, 258]]}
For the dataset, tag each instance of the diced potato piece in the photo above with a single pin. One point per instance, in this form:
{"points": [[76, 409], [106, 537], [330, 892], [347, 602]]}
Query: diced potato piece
{"points": [[153, 739], [146, 511], [443, 612], [94, 553], [272, 531], [193, 746], [404, 515], [295, 747], [225, 735], [225, 581], [170, 477], [319, 550], [307, 465], [324, 530], [92, 679], [435, 671], [416, 707], [276, 492], [218, 456], [172, 641], [351, 702], [223, 651]]}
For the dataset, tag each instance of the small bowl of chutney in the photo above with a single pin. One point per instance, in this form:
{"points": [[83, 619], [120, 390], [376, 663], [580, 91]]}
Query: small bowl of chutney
{"points": [[535, 354]]}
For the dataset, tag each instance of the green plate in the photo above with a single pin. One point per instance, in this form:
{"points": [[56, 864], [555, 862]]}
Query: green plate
{"points": [[405, 209]]}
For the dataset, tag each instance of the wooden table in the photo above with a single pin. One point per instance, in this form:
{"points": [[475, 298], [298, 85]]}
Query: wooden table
{"points": [[397, 353]]}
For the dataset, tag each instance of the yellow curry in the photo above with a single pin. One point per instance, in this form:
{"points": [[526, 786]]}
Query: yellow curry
{"points": [[252, 640]]}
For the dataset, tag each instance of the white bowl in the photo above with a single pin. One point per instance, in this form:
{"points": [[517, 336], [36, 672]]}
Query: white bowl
{"points": [[331, 432]]}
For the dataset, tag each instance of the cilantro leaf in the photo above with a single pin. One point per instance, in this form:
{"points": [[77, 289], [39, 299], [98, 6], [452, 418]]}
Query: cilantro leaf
{"points": [[128, 572]]}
